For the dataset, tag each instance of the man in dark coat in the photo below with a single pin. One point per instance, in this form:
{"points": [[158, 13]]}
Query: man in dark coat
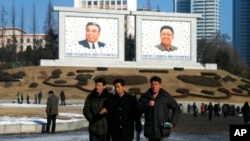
{"points": [[160, 109], [62, 96], [122, 113], [52, 111], [40, 95], [245, 111], [98, 125]]}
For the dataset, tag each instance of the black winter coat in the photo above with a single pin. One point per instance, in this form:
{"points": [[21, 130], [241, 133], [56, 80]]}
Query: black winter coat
{"points": [[93, 104], [166, 109], [122, 116]]}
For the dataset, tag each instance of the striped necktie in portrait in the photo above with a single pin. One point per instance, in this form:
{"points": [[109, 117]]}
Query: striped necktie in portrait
{"points": [[93, 46]]}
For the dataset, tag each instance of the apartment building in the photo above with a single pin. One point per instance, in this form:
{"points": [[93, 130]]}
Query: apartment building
{"points": [[107, 4], [241, 28], [209, 24], [23, 40]]}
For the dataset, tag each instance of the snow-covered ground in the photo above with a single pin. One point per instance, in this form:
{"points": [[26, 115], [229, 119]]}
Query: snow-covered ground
{"points": [[4, 120]]}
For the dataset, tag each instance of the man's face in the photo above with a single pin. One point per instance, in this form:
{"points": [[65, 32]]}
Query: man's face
{"points": [[119, 88], [166, 36], [92, 33], [99, 87], [155, 86]]}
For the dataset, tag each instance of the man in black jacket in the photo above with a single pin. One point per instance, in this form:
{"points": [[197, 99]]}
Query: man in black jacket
{"points": [[160, 109], [122, 113], [98, 125]]}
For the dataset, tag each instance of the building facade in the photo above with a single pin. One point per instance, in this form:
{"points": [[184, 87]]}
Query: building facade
{"points": [[207, 26], [23, 40], [107, 4], [241, 28]]}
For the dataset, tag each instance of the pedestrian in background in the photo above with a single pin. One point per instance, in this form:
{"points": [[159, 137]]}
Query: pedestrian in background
{"points": [[52, 111], [210, 111], [40, 95], [28, 99], [245, 111], [62, 97], [98, 124], [161, 111]]}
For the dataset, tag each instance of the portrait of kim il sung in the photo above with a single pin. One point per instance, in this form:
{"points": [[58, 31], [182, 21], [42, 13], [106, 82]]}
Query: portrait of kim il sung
{"points": [[92, 33]]}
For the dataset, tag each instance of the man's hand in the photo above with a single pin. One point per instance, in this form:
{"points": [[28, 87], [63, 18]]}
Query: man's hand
{"points": [[151, 103], [103, 111]]}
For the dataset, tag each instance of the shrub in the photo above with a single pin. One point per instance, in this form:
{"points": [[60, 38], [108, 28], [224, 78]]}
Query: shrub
{"points": [[200, 80], [229, 78], [207, 92], [7, 78], [89, 76], [33, 85], [82, 83], [102, 68], [178, 69], [57, 71], [21, 74], [55, 75], [71, 73], [243, 87], [60, 82], [182, 90], [82, 77], [153, 71], [208, 74], [84, 71], [237, 90], [224, 90], [246, 81], [217, 77]]}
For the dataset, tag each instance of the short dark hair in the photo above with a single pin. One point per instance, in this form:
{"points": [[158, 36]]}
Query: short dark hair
{"points": [[119, 80], [95, 24], [167, 27], [51, 92], [101, 80], [155, 78]]}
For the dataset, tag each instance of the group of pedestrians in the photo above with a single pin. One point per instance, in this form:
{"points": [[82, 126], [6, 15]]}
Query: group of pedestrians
{"points": [[216, 110], [116, 116]]}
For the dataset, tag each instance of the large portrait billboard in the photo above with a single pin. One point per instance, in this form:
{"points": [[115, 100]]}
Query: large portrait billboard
{"points": [[91, 37], [165, 39]]}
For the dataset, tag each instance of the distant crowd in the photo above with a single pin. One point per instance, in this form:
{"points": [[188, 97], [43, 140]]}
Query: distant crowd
{"points": [[37, 98], [215, 110]]}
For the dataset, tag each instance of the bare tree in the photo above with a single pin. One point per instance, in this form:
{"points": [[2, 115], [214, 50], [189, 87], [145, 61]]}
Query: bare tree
{"points": [[3, 23], [34, 25], [49, 23], [22, 28]]}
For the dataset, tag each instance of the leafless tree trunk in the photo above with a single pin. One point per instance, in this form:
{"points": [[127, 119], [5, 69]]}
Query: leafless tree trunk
{"points": [[22, 28], [34, 25], [49, 21], [3, 23]]}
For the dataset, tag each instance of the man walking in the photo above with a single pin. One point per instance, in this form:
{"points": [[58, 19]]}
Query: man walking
{"points": [[52, 111]]}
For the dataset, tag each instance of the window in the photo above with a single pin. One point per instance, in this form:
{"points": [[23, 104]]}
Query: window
{"points": [[28, 40]]}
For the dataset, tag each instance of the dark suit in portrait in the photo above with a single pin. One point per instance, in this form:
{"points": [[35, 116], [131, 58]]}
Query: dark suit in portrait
{"points": [[85, 44], [163, 48]]}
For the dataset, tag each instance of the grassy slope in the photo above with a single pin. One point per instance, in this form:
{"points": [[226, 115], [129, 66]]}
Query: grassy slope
{"points": [[170, 83]]}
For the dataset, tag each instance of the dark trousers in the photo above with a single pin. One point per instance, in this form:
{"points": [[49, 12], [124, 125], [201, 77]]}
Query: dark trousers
{"points": [[93, 137], [49, 119]]}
